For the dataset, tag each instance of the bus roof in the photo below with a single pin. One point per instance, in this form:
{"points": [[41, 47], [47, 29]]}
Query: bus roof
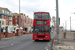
{"points": [[41, 12]]}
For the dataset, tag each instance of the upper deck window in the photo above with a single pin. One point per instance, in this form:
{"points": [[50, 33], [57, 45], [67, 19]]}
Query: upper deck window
{"points": [[42, 16]]}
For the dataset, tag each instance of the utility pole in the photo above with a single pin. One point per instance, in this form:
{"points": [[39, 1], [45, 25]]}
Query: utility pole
{"points": [[0, 30], [19, 20], [57, 22], [70, 24]]}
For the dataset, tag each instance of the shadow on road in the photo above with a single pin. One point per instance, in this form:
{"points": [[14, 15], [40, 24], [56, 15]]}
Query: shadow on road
{"points": [[41, 40]]}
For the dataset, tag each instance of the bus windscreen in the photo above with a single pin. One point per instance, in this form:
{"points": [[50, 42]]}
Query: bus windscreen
{"points": [[41, 29]]}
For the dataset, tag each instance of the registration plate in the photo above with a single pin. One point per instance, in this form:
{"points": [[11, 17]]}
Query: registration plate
{"points": [[40, 39]]}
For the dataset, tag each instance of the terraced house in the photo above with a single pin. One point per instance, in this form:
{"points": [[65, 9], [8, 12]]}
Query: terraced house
{"points": [[6, 21], [5, 18]]}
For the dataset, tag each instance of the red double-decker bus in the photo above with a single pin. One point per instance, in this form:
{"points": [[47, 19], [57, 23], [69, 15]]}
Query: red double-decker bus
{"points": [[41, 26]]}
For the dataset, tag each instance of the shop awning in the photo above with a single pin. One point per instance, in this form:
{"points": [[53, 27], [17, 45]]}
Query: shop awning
{"points": [[6, 15]]}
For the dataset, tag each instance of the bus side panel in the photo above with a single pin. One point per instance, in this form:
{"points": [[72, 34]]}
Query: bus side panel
{"points": [[34, 22], [48, 22]]}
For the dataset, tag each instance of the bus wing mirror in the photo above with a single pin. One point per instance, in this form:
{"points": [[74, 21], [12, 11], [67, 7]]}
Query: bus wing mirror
{"points": [[50, 27]]}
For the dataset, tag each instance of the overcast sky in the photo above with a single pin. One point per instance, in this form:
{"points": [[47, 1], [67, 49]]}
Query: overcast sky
{"points": [[66, 8]]}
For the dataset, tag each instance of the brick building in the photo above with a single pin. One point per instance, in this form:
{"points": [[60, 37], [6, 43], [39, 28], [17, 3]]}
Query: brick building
{"points": [[15, 19], [25, 21]]}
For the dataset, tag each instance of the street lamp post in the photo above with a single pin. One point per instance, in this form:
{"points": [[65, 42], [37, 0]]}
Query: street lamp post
{"points": [[57, 22], [19, 20], [0, 30]]}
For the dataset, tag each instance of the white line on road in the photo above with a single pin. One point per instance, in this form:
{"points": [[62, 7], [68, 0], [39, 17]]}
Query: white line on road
{"points": [[46, 49], [5, 46], [9, 45], [15, 43], [49, 45], [12, 44]]}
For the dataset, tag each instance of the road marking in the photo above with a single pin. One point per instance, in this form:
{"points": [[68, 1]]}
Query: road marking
{"points": [[46, 49], [15, 43], [49, 45], [9, 45], [12, 44], [5, 46]]}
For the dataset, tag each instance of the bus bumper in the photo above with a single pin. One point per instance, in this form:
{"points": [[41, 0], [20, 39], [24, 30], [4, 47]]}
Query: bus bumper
{"points": [[41, 38]]}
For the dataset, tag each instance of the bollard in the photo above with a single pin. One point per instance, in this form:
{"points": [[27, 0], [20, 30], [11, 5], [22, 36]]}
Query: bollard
{"points": [[64, 34]]}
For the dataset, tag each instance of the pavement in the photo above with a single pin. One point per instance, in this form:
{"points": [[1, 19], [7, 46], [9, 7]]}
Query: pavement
{"points": [[24, 42], [13, 37], [67, 43]]}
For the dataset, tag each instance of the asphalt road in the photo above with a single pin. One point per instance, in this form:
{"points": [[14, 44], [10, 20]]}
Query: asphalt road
{"points": [[25, 43]]}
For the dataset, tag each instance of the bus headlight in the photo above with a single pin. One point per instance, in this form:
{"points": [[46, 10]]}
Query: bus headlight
{"points": [[46, 36], [34, 36]]}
